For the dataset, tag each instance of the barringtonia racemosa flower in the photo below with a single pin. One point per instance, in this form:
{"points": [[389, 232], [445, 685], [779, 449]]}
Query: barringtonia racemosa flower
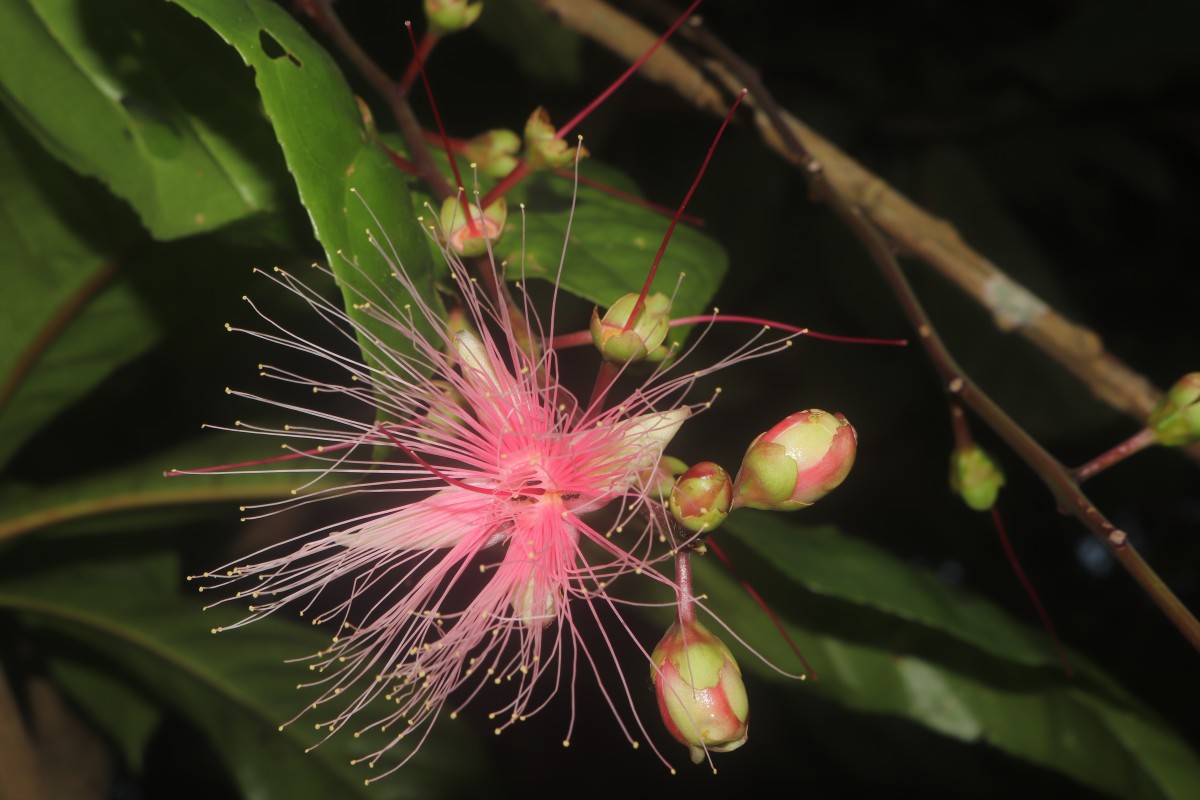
{"points": [[511, 510]]}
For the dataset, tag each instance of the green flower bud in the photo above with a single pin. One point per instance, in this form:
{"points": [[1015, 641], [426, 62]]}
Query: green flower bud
{"points": [[701, 498], [700, 692], [1175, 421], [467, 239], [494, 152], [542, 149], [645, 338], [451, 16], [975, 477], [797, 462]]}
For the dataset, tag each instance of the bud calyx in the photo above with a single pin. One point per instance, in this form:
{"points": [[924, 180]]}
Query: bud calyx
{"points": [[472, 237], [645, 338]]}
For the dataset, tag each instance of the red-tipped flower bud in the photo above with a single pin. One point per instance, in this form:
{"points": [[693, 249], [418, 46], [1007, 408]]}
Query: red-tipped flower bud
{"points": [[797, 462], [702, 496], [1175, 421], [542, 148], [975, 477], [472, 238], [644, 339], [450, 16], [494, 152], [700, 691]]}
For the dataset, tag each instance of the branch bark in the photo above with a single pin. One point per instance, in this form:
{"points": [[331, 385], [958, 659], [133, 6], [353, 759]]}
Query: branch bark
{"points": [[910, 229]]}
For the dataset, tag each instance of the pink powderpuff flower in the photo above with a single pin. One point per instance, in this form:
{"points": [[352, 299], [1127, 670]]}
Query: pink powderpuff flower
{"points": [[490, 550]]}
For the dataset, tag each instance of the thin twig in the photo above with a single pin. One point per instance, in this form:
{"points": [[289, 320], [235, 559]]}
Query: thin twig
{"points": [[908, 227], [322, 11]]}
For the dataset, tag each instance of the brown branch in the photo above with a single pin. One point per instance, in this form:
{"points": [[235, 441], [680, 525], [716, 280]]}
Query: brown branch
{"points": [[908, 227]]}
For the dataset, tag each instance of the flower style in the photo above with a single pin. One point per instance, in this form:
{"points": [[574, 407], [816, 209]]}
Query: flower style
{"points": [[477, 572]]}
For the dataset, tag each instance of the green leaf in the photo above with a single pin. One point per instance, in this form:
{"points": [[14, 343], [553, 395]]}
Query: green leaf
{"points": [[612, 244], [330, 154], [128, 92], [124, 608], [827, 563], [68, 320], [143, 485], [887, 652]]}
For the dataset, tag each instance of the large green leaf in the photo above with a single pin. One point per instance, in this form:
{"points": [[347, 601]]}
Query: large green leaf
{"points": [[69, 320], [158, 111], [329, 153], [917, 653], [124, 608], [825, 562]]}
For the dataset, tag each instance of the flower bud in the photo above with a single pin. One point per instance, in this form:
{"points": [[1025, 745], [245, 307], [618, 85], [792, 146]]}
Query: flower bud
{"points": [[469, 239], [700, 692], [644, 339], [494, 152], [542, 148], [797, 462], [975, 477], [451, 16], [1175, 421], [701, 498]]}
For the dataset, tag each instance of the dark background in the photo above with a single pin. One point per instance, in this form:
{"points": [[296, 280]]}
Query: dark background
{"points": [[1061, 139]]}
